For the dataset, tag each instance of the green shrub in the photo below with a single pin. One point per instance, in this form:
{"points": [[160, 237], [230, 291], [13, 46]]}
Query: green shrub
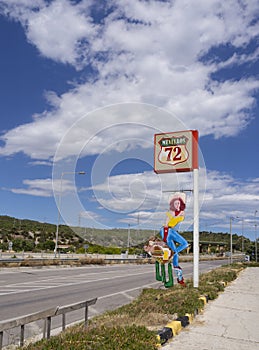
{"points": [[102, 338]]}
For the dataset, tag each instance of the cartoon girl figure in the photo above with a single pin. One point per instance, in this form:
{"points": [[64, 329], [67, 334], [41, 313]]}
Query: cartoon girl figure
{"points": [[170, 236]]}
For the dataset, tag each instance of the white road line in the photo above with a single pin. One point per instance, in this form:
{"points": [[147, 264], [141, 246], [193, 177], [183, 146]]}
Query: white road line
{"points": [[6, 292]]}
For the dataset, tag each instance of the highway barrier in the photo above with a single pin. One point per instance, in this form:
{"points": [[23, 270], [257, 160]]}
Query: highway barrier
{"points": [[46, 315]]}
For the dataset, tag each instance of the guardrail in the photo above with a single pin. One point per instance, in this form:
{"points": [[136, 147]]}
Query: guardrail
{"points": [[47, 315], [46, 255]]}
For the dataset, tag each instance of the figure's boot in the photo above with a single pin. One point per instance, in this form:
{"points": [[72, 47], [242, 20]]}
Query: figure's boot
{"points": [[181, 282], [179, 275]]}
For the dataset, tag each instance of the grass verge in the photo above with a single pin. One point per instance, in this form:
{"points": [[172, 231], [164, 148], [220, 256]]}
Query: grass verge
{"points": [[134, 326]]}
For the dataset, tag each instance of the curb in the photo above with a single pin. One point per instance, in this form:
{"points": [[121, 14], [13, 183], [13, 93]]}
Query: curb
{"points": [[174, 327]]}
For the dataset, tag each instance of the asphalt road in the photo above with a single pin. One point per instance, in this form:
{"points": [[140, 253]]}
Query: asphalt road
{"points": [[27, 290]]}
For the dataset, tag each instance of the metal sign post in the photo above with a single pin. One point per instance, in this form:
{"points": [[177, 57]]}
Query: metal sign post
{"points": [[196, 248], [178, 152]]}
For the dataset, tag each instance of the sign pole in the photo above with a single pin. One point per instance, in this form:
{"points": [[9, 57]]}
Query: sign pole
{"points": [[196, 250]]}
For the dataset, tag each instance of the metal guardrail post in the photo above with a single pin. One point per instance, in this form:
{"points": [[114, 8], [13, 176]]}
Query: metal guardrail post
{"points": [[63, 322], [22, 335], [48, 326], [86, 314], [44, 329]]}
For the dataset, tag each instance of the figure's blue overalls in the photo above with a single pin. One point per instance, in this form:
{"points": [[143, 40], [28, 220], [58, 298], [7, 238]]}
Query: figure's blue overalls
{"points": [[170, 237]]}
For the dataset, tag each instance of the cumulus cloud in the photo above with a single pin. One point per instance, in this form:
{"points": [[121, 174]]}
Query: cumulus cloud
{"points": [[227, 196], [61, 32], [35, 187], [44, 187], [59, 29], [138, 55]]}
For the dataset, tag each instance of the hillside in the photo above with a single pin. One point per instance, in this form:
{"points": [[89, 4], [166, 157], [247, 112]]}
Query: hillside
{"points": [[32, 235]]}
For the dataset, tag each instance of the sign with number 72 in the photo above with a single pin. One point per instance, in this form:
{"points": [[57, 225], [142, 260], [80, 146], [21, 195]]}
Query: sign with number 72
{"points": [[176, 151]]}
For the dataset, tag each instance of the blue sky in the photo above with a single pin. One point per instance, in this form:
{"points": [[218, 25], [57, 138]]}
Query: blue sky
{"points": [[85, 85]]}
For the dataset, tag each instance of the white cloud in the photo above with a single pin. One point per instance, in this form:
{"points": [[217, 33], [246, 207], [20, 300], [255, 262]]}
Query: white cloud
{"points": [[38, 162], [126, 193], [44, 187], [87, 214], [59, 31], [15, 8], [35, 187], [139, 56], [229, 197]]}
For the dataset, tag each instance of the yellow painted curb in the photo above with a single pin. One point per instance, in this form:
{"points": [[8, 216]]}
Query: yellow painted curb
{"points": [[158, 345], [204, 299], [191, 317], [176, 326]]}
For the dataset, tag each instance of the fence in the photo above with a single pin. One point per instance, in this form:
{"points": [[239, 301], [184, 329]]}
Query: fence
{"points": [[46, 315]]}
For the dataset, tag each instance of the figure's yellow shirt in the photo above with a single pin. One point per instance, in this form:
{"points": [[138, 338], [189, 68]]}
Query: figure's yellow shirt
{"points": [[174, 220]]}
